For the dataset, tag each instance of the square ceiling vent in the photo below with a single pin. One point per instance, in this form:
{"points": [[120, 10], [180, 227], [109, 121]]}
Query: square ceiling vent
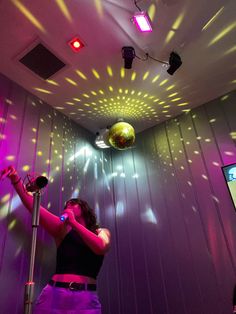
{"points": [[42, 62]]}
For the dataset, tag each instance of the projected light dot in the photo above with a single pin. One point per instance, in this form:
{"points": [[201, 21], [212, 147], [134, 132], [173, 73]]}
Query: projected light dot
{"points": [[86, 95], [163, 82], [182, 104], [233, 135], [232, 49], [29, 16], [222, 34], [215, 198], [80, 74], [170, 87], [13, 117], [26, 168], [122, 72], [96, 74], [229, 153], [133, 77], [109, 71], [5, 198], [70, 81], [44, 91], [10, 157], [224, 97], [52, 82], [12, 224], [146, 76], [8, 101], [212, 19], [175, 99], [171, 95]]}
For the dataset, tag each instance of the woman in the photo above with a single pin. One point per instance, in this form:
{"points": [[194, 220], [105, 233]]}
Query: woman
{"points": [[81, 247]]}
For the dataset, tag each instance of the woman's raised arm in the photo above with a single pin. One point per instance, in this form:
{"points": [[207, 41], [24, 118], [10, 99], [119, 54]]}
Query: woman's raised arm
{"points": [[50, 222]]}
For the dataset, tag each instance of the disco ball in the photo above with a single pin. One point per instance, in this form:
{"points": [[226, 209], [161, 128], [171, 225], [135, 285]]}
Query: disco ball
{"points": [[121, 135]]}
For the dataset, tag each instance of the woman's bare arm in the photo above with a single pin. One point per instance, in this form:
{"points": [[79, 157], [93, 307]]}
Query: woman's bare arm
{"points": [[50, 222]]}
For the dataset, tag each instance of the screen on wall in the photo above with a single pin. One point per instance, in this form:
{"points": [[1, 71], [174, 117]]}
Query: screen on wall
{"points": [[230, 178]]}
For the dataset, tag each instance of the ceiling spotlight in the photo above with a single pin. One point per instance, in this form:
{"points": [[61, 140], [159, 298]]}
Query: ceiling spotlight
{"points": [[142, 21], [76, 44], [102, 140], [174, 62], [128, 53]]}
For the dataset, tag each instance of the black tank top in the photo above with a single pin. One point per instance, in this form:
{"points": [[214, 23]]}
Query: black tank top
{"points": [[75, 257]]}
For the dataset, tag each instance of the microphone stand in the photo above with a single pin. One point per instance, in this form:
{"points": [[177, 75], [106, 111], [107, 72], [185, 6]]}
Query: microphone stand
{"points": [[29, 285]]}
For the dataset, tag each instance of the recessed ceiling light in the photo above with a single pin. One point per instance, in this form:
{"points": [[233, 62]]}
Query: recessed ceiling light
{"points": [[76, 44]]}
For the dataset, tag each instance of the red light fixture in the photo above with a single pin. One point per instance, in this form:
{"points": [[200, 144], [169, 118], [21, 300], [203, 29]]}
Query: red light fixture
{"points": [[76, 44]]}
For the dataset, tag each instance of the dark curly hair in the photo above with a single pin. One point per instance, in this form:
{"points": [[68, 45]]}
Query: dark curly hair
{"points": [[88, 214]]}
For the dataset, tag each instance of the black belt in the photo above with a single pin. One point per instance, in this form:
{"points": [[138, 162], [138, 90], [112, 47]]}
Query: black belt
{"points": [[73, 285]]}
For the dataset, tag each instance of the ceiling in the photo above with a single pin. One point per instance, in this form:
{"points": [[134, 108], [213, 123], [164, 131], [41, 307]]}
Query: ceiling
{"points": [[93, 88]]}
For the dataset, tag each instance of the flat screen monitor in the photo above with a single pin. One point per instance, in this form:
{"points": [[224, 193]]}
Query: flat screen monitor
{"points": [[229, 172]]}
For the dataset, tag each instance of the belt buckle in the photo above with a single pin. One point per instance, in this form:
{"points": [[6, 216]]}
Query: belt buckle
{"points": [[70, 285]]}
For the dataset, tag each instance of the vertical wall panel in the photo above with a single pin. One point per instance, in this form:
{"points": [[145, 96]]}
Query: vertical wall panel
{"points": [[175, 289], [192, 221], [156, 218], [110, 293]]}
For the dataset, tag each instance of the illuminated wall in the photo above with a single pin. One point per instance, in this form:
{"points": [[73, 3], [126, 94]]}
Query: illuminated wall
{"points": [[165, 201], [37, 139], [175, 222]]}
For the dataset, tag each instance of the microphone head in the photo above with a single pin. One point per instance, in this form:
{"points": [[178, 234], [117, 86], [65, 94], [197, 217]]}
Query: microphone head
{"points": [[64, 217], [41, 182]]}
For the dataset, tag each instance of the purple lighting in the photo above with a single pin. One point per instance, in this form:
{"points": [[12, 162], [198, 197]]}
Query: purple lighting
{"points": [[142, 21]]}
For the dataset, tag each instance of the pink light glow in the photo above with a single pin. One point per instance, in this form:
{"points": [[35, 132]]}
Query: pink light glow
{"points": [[142, 21]]}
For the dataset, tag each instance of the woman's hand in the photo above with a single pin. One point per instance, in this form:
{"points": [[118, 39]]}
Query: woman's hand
{"points": [[9, 172], [71, 216]]}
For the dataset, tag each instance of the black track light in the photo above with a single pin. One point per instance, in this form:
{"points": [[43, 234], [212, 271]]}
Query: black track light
{"points": [[128, 53], [174, 62]]}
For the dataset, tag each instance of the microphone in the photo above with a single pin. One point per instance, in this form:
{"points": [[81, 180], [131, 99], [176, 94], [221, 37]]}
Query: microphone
{"points": [[64, 217], [36, 184]]}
